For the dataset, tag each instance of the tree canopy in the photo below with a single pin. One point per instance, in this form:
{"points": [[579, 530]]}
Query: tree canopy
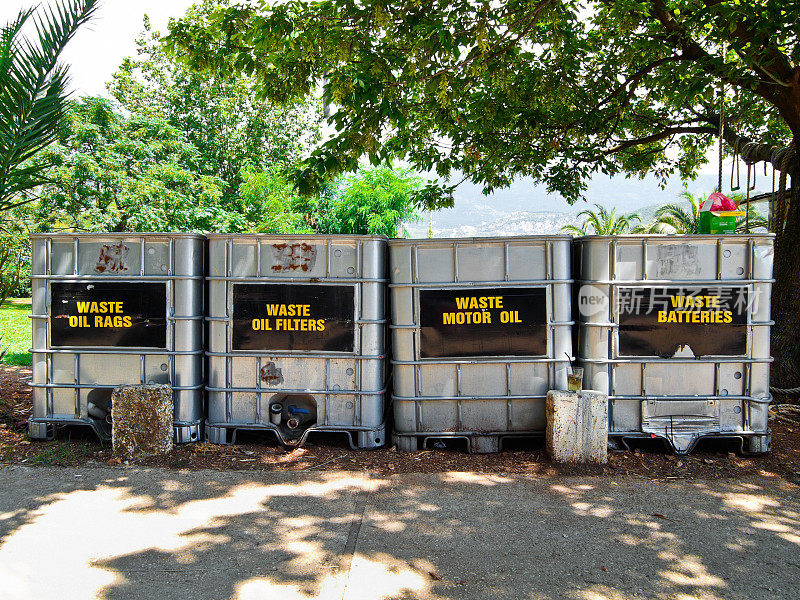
{"points": [[231, 128], [554, 90], [111, 172], [115, 173], [181, 150], [557, 90]]}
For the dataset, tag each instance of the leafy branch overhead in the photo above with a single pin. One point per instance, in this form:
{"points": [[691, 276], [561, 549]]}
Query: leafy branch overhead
{"points": [[33, 94], [554, 90], [197, 152]]}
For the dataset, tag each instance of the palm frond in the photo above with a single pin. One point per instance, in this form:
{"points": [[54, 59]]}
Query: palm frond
{"points": [[753, 220], [573, 229], [601, 221], [678, 217], [33, 94]]}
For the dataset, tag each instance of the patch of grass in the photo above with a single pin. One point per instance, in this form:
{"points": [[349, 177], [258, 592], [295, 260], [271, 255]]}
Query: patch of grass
{"points": [[15, 329], [61, 453]]}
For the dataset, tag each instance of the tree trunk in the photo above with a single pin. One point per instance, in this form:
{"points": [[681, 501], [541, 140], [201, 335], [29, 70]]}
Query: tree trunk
{"points": [[786, 295]]}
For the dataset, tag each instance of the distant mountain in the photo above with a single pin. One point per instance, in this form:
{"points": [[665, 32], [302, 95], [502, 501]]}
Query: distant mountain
{"points": [[515, 223], [527, 209]]}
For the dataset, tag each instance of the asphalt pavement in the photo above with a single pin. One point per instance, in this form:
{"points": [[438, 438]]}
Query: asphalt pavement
{"points": [[135, 533]]}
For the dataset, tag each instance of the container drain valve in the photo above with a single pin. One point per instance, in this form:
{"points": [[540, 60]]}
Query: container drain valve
{"points": [[296, 416]]}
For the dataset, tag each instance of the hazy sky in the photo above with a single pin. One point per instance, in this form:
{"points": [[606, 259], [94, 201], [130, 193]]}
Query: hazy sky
{"points": [[97, 50]]}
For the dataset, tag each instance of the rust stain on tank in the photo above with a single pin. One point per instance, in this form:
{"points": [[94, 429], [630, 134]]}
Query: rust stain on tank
{"points": [[293, 257], [271, 374], [112, 258]]}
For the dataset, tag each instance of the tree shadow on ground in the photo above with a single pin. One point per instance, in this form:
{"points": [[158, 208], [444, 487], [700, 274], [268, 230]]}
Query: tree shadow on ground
{"points": [[138, 533]]}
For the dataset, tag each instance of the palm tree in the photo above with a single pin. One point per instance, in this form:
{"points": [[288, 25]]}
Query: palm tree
{"points": [[753, 220], [33, 92], [603, 222], [679, 218]]}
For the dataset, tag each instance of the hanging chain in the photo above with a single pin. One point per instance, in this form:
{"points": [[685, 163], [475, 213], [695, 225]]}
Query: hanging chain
{"points": [[781, 204], [747, 200], [772, 198]]}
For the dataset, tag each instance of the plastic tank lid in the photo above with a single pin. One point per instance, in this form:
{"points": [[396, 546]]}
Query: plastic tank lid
{"points": [[293, 236], [677, 236], [484, 239], [118, 235]]}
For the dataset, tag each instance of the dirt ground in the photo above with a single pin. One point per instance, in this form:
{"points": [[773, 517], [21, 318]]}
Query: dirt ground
{"points": [[78, 446]]}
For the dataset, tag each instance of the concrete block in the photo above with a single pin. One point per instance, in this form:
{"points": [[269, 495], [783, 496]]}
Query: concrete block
{"points": [[141, 420], [577, 426]]}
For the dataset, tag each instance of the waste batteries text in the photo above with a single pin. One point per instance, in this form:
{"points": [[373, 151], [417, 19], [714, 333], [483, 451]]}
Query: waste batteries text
{"points": [[695, 309]]}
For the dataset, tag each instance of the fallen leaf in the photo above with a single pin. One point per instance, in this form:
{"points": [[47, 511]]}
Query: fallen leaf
{"points": [[660, 516], [604, 570], [114, 461]]}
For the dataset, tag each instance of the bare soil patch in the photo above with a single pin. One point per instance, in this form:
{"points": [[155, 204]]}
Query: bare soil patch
{"points": [[78, 446]]}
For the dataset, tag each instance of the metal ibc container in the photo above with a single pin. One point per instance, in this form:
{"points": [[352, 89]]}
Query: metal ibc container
{"points": [[481, 330], [297, 337], [115, 309], [676, 330]]}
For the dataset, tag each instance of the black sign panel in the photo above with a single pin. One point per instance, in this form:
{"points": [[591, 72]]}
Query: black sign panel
{"points": [[108, 314], [293, 317], [683, 321], [483, 322]]}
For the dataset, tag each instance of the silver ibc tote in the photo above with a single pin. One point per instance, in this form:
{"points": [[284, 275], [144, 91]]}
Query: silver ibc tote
{"points": [[297, 337], [676, 329], [481, 330], [113, 309]]}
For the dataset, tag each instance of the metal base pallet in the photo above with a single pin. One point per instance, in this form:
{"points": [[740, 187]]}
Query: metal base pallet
{"points": [[749, 444], [477, 443], [183, 433], [358, 438]]}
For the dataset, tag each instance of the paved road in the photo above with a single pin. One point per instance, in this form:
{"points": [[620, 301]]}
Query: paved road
{"points": [[125, 533]]}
